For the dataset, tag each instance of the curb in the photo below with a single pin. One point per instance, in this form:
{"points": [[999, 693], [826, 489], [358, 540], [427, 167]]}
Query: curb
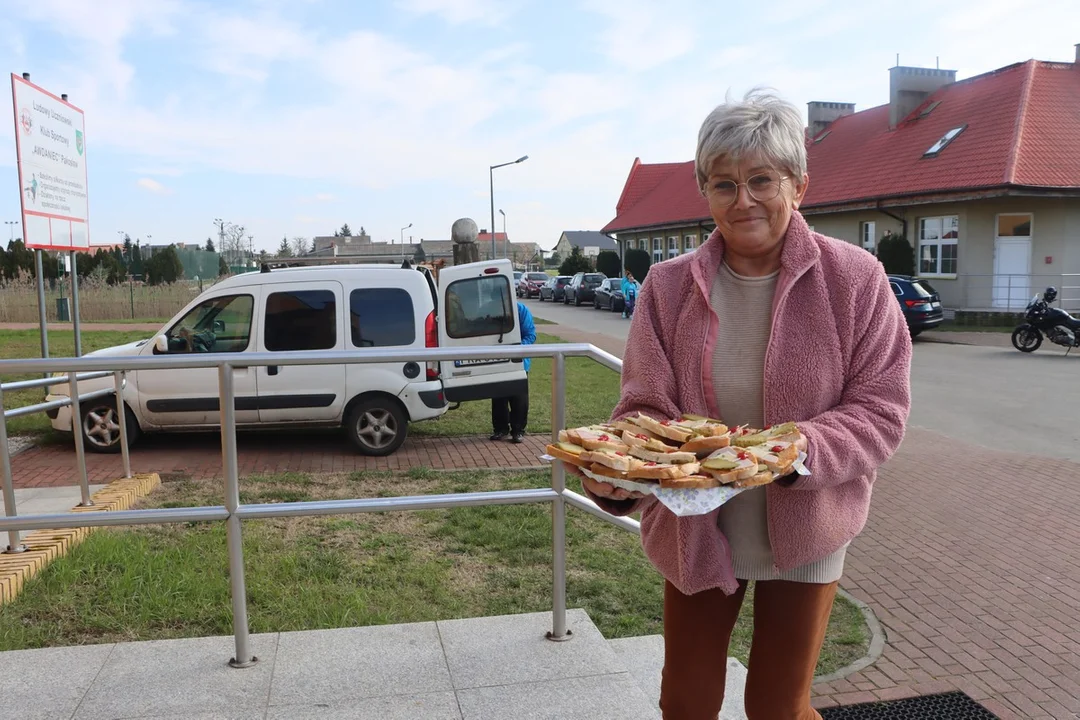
{"points": [[873, 652], [44, 546]]}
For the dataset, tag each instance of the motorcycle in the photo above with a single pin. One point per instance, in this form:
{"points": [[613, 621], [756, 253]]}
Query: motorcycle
{"points": [[1040, 319]]}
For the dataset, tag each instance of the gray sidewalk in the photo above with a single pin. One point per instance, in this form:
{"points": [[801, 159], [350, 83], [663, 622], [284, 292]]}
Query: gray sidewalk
{"points": [[493, 668]]}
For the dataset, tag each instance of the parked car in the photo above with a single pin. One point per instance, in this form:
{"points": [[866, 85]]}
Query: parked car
{"points": [[919, 301], [315, 309], [609, 295], [529, 284], [582, 288], [554, 289]]}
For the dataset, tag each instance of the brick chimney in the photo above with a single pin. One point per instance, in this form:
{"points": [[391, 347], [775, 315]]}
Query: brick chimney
{"points": [[910, 86], [820, 114]]}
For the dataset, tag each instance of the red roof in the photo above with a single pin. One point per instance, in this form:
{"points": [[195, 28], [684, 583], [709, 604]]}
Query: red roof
{"points": [[486, 237], [660, 194], [1021, 127]]}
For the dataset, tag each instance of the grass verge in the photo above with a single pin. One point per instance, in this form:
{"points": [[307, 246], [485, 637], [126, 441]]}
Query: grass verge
{"points": [[328, 572]]}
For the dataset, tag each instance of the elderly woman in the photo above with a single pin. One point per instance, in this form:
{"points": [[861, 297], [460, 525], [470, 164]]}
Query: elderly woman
{"points": [[767, 322]]}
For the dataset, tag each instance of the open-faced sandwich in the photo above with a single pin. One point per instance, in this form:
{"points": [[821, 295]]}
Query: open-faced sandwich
{"points": [[730, 465], [777, 455], [567, 452]]}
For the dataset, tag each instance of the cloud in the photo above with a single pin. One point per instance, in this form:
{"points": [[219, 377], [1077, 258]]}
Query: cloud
{"points": [[644, 34], [153, 186], [459, 12]]}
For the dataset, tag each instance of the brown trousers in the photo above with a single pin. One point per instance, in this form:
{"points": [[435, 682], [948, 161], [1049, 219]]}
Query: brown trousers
{"points": [[790, 620]]}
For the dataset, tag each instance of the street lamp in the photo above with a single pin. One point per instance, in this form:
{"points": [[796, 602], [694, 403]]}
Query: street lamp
{"points": [[506, 239], [403, 240], [491, 180], [11, 224]]}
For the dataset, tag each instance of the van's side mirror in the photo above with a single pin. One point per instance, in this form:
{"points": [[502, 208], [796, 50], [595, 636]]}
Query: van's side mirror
{"points": [[161, 344]]}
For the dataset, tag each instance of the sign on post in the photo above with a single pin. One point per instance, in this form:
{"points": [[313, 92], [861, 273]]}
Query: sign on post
{"points": [[50, 146]]}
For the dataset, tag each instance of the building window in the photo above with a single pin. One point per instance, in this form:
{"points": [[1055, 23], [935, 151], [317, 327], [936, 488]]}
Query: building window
{"points": [[938, 245], [690, 243], [672, 247], [868, 235], [1014, 225], [657, 250]]}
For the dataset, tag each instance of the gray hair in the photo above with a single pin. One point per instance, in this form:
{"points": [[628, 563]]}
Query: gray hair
{"points": [[761, 122]]}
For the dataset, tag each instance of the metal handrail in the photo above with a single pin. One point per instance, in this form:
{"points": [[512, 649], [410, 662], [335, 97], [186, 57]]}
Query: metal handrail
{"points": [[233, 511]]}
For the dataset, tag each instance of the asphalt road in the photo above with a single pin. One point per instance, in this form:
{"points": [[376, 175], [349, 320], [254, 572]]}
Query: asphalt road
{"points": [[990, 396]]}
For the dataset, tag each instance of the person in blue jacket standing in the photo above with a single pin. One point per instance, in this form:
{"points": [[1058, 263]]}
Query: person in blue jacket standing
{"points": [[510, 414], [629, 291]]}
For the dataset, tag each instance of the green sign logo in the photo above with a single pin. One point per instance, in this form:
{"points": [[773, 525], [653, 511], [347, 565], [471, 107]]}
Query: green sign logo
{"points": [[79, 141]]}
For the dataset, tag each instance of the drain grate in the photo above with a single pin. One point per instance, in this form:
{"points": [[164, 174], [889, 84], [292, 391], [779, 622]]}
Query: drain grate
{"points": [[947, 706]]}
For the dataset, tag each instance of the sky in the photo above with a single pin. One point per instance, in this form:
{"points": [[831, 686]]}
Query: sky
{"points": [[292, 117]]}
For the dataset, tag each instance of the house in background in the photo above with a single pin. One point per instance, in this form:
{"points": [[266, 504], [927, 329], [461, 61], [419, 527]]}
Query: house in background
{"points": [[661, 211], [362, 249], [981, 175], [590, 242]]}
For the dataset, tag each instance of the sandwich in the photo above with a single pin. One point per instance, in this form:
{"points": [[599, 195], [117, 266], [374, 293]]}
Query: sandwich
{"points": [[703, 426], [730, 465], [776, 455], [663, 428], [599, 440], [567, 452], [614, 459], [690, 482], [662, 471], [762, 477], [639, 437], [787, 432], [705, 445]]}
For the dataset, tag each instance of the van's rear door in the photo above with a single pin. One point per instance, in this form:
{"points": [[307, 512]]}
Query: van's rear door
{"points": [[477, 307]]}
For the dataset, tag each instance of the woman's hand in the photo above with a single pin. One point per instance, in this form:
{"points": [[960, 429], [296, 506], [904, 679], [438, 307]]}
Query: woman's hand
{"points": [[602, 489]]}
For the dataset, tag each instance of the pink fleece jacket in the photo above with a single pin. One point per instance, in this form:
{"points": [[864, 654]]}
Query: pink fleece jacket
{"points": [[837, 363]]}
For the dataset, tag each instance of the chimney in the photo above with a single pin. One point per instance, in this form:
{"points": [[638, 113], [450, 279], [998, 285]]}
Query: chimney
{"points": [[1078, 55], [820, 115], [910, 86]]}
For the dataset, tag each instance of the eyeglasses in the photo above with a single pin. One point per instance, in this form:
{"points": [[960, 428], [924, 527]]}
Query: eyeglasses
{"points": [[762, 187]]}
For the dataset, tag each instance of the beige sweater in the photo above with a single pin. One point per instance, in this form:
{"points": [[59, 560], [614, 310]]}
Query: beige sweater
{"points": [[744, 306]]}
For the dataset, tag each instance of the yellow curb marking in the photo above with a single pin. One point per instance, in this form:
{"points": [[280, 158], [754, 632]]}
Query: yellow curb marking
{"points": [[44, 546]]}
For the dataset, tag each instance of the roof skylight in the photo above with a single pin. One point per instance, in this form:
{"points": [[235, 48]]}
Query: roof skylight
{"points": [[944, 141], [929, 109]]}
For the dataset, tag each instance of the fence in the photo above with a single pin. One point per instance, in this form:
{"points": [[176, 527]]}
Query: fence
{"points": [[98, 302], [1006, 293], [233, 512]]}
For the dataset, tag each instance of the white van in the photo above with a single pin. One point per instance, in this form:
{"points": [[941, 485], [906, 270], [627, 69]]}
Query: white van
{"points": [[337, 307]]}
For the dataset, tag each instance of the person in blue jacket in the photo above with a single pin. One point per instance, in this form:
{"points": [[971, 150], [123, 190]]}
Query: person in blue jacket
{"points": [[510, 414], [630, 289]]}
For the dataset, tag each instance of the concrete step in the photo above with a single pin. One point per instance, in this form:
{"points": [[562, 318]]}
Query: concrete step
{"points": [[643, 657], [489, 668]]}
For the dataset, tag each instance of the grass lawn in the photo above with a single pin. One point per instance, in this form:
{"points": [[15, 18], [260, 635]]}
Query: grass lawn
{"points": [[592, 390], [27, 344], [328, 572]]}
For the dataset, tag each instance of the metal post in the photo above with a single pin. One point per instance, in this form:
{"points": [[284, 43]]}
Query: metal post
{"points": [[75, 304], [14, 544], [121, 417], [43, 320], [558, 506], [77, 432], [243, 657], [491, 181], [131, 293]]}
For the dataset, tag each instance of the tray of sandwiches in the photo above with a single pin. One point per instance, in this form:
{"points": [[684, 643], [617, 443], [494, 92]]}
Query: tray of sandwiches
{"points": [[691, 464]]}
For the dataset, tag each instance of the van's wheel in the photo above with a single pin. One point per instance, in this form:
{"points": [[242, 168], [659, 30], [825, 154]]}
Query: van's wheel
{"points": [[101, 426], [377, 426]]}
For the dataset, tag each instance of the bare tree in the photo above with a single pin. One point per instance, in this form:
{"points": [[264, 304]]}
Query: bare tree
{"points": [[299, 246], [232, 242]]}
